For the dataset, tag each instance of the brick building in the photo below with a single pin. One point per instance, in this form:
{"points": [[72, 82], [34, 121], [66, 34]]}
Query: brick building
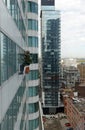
{"points": [[75, 110]]}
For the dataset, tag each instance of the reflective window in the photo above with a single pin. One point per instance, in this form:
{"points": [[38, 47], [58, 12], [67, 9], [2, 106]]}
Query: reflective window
{"points": [[33, 75], [33, 124], [32, 91], [32, 7], [32, 41], [23, 5], [33, 107], [9, 57], [11, 114], [33, 24], [34, 58], [15, 12]]}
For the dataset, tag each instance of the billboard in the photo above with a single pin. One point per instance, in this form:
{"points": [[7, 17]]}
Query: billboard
{"points": [[47, 2]]}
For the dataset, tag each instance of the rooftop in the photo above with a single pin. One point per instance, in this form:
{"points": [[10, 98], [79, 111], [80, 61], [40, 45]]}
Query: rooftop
{"points": [[56, 122], [79, 104]]}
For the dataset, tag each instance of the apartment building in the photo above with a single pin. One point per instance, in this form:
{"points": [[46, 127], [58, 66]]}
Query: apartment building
{"points": [[81, 68], [32, 78], [69, 75], [19, 100], [75, 110], [50, 53]]}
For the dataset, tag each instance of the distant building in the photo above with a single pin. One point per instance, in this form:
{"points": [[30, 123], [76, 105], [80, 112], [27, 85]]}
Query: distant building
{"points": [[80, 88], [50, 48], [75, 109], [69, 76], [81, 68], [19, 93]]}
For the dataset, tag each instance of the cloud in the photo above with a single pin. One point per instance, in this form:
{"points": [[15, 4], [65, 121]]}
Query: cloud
{"points": [[72, 27]]}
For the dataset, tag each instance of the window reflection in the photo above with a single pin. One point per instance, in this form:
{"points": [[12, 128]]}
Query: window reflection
{"points": [[33, 107], [32, 41], [32, 7], [33, 124], [12, 112], [33, 24], [33, 75], [14, 10], [32, 91], [9, 57]]}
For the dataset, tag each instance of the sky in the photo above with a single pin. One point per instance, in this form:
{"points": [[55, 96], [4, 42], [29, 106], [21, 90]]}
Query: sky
{"points": [[72, 27]]}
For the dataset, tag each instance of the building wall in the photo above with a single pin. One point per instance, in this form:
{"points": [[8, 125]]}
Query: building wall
{"points": [[50, 48], [81, 68], [75, 117], [12, 85], [70, 75], [19, 94], [33, 76], [80, 88]]}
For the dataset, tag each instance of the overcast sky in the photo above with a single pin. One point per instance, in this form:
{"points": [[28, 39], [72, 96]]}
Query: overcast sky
{"points": [[72, 27]]}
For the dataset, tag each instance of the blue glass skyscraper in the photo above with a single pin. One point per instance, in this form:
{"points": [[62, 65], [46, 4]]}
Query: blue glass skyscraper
{"points": [[50, 43]]}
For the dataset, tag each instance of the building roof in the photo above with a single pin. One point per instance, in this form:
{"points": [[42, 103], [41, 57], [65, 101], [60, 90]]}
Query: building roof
{"points": [[79, 104]]}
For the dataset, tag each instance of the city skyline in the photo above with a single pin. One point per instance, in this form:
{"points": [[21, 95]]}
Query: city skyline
{"points": [[72, 28]]}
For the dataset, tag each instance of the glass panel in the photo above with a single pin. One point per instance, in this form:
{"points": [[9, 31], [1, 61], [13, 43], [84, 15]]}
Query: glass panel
{"points": [[34, 58], [11, 114], [9, 57], [33, 24], [32, 91], [33, 75], [4, 59], [33, 124], [15, 12], [32, 7], [32, 41]]}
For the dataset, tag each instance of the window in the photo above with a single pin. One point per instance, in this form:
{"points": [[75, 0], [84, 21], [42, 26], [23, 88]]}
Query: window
{"points": [[34, 58], [9, 58], [32, 41], [15, 12], [33, 107], [33, 124], [32, 91], [33, 75], [33, 24], [11, 115], [32, 7]]}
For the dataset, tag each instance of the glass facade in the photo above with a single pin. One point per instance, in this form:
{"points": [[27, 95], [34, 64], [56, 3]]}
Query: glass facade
{"points": [[32, 91], [32, 41], [19, 107], [33, 75], [34, 58], [15, 12], [33, 24], [50, 55], [32, 7], [8, 57], [33, 124], [33, 107], [12, 112]]}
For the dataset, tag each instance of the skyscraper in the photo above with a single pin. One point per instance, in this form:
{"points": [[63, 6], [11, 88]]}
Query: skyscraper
{"points": [[12, 85], [50, 53], [19, 97], [33, 76]]}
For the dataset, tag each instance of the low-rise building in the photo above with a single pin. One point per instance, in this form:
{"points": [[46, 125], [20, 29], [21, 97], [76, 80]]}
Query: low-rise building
{"points": [[70, 75], [81, 68], [75, 110]]}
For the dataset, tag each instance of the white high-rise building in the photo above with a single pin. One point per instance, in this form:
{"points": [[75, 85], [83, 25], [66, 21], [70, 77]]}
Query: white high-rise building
{"points": [[19, 95]]}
